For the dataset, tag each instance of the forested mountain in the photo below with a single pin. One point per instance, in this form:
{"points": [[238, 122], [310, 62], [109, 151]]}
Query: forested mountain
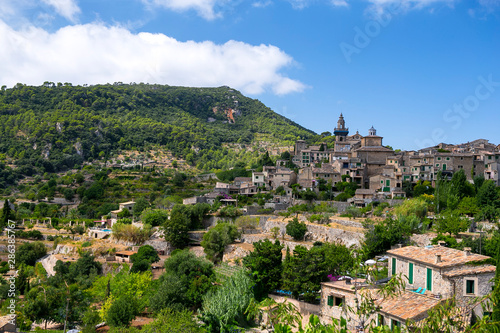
{"points": [[54, 127]]}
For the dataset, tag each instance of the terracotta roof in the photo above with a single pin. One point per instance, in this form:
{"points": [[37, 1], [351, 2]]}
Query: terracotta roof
{"points": [[126, 253], [243, 179], [325, 169], [4, 320], [342, 285], [365, 191], [427, 255], [408, 305], [374, 148], [470, 271]]}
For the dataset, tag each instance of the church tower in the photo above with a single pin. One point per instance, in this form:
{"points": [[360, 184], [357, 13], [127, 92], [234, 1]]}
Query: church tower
{"points": [[341, 131]]}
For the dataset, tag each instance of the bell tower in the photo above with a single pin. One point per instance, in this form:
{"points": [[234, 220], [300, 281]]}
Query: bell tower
{"points": [[341, 131]]}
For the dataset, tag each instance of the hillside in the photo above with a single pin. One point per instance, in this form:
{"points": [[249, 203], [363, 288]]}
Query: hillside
{"points": [[52, 127]]}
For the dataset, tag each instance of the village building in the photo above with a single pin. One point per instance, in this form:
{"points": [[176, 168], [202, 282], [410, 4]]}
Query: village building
{"points": [[432, 274]]}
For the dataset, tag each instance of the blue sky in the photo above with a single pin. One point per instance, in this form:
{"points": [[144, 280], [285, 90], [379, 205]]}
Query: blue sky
{"points": [[420, 71]]}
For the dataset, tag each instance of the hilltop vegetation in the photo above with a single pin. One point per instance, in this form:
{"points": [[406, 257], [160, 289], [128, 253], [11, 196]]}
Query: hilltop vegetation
{"points": [[53, 128]]}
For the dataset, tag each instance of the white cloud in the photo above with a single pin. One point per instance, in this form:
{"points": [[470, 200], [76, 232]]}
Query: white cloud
{"points": [[66, 8], [204, 8], [262, 4], [405, 5], [93, 53], [339, 3]]}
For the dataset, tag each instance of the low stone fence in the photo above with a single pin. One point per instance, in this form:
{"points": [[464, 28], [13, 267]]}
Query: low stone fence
{"points": [[320, 233], [305, 309], [250, 239]]}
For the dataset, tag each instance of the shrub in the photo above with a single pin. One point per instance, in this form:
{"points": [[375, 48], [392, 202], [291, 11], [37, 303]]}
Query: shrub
{"points": [[229, 211], [121, 312], [130, 233], [296, 229]]}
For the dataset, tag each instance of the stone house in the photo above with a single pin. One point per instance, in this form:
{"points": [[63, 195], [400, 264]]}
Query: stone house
{"points": [[259, 179], [283, 177], [124, 256], [492, 172], [433, 274], [326, 172], [443, 272], [337, 297]]}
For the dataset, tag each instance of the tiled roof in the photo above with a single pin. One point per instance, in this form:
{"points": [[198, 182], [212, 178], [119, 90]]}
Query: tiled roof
{"points": [[427, 255], [471, 270], [404, 306], [342, 285], [365, 191], [126, 253], [374, 148], [325, 169], [408, 305]]}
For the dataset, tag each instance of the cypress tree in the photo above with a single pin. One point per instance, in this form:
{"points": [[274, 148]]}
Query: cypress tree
{"points": [[6, 214]]}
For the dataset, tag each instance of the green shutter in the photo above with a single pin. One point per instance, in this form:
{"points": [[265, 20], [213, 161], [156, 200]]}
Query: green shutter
{"points": [[387, 182], [429, 279], [393, 266], [410, 273], [330, 301], [444, 167]]}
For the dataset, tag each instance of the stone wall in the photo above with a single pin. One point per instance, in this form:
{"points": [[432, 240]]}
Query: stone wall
{"points": [[250, 239], [305, 309], [320, 233]]}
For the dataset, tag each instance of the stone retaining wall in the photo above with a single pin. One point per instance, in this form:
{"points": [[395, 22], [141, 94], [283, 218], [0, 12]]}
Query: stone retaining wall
{"points": [[320, 233]]}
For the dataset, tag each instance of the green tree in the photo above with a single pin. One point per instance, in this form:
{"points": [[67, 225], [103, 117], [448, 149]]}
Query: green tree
{"points": [[29, 253], [145, 252], [186, 279], [309, 195], [154, 217], [225, 306], [169, 320], [122, 311], [6, 214], [296, 229], [487, 194], [176, 230], [265, 264], [217, 238], [140, 205], [142, 260], [451, 223]]}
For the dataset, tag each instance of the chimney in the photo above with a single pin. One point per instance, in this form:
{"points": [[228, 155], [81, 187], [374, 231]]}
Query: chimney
{"points": [[438, 258], [347, 281], [467, 251], [399, 246], [442, 243]]}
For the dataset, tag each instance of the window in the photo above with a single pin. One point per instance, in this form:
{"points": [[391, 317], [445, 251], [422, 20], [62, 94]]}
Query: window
{"points": [[410, 273], [334, 301], [469, 287], [429, 279], [394, 324], [393, 266], [380, 320], [447, 158], [439, 158]]}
